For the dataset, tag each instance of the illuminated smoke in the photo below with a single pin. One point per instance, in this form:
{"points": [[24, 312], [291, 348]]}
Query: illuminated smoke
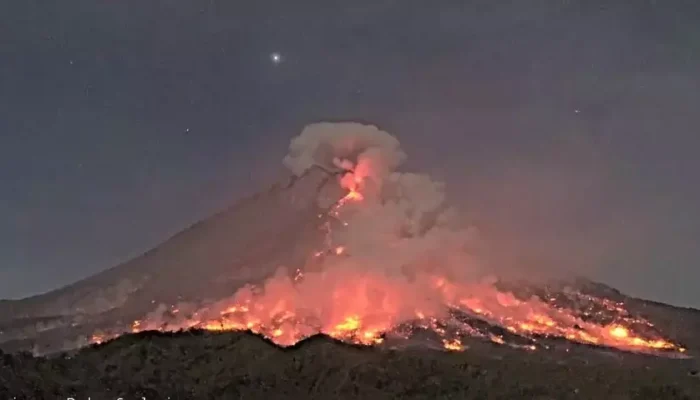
{"points": [[329, 145], [402, 218]]}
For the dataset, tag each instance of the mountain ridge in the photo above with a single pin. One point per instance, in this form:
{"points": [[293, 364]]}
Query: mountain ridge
{"points": [[205, 364]]}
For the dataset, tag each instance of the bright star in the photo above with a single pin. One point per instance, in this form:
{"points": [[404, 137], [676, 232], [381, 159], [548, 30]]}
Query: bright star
{"points": [[276, 58]]}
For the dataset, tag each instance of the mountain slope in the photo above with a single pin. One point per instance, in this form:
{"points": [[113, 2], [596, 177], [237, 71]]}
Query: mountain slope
{"points": [[207, 261]]}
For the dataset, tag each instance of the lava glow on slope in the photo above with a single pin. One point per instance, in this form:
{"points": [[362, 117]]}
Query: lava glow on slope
{"points": [[363, 308], [395, 265]]}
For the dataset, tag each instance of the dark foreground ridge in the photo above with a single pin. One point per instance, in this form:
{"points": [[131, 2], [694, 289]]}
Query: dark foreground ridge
{"points": [[232, 365]]}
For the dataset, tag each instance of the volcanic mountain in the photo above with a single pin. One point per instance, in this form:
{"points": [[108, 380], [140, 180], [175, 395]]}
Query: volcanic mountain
{"points": [[351, 248]]}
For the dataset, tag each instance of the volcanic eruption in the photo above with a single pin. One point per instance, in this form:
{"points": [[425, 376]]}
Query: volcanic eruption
{"points": [[389, 261], [351, 247]]}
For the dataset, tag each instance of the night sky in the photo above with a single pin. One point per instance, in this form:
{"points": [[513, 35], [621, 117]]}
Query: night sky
{"points": [[568, 131]]}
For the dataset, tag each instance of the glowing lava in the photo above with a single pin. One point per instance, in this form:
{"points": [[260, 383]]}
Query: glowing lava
{"points": [[361, 307], [391, 265]]}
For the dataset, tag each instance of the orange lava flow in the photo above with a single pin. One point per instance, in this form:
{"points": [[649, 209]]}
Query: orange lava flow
{"points": [[362, 305], [353, 316]]}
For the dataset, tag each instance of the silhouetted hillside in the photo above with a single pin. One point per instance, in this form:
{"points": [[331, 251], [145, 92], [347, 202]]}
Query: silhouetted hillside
{"points": [[201, 365]]}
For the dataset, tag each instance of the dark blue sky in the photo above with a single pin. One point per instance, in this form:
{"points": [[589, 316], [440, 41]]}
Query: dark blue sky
{"points": [[568, 130]]}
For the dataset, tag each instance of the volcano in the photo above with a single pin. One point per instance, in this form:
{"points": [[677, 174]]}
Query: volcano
{"points": [[352, 248]]}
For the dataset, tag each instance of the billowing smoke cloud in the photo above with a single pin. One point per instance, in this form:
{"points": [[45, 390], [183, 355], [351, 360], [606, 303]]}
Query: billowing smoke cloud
{"points": [[346, 145], [401, 218]]}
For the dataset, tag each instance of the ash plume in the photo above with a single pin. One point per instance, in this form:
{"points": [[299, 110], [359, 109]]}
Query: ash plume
{"points": [[335, 144], [401, 216], [393, 237]]}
